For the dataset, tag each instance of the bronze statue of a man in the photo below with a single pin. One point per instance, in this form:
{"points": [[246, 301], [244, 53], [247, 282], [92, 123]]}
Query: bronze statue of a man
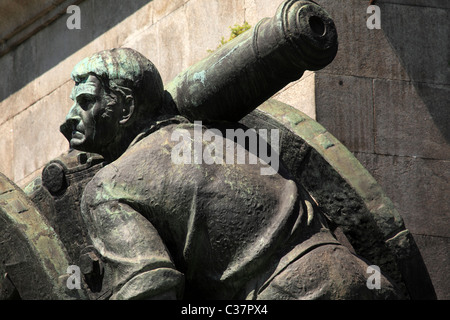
{"points": [[166, 229]]}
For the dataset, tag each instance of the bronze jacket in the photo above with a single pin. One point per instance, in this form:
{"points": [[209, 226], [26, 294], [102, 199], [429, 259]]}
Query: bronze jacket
{"points": [[211, 231]]}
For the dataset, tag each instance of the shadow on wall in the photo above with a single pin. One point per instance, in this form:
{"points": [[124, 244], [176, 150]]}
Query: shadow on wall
{"points": [[418, 112], [52, 45], [421, 38]]}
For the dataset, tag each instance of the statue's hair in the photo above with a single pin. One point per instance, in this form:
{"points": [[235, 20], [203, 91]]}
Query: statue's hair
{"points": [[122, 70]]}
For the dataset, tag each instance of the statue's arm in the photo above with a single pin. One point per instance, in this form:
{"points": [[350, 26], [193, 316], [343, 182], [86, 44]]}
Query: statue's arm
{"points": [[141, 265]]}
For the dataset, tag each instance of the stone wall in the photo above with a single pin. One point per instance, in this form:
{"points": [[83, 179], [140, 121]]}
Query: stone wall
{"points": [[385, 96], [34, 98]]}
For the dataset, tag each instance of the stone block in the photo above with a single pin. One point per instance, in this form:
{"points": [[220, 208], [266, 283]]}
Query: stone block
{"points": [[301, 94], [344, 108], [418, 188], [412, 119], [204, 33], [256, 10], [55, 44], [362, 52], [421, 3], [436, 255], [30, 61], [18, 13], [37, 139], [185, 35], [173, 47], [147, 43], [407, 47], [8, 109], [118, 34], [7, 149], [421, 47], [163, 8]]}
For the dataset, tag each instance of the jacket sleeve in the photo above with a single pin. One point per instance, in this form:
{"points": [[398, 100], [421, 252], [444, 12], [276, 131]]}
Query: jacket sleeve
{"points": [[140, 266]]}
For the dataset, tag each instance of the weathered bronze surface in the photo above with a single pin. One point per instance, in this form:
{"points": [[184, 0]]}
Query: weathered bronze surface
{"points": [[141, 226]]}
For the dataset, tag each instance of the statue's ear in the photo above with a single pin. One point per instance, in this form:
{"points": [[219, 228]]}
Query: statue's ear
{"points": [[127, 110]]}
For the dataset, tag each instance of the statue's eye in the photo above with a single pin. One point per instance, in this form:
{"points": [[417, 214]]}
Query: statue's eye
{"points": [[85, 101]]}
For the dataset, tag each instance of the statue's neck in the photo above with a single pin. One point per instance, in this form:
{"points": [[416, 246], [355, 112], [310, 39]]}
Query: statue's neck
{"points": [[123, 141]]}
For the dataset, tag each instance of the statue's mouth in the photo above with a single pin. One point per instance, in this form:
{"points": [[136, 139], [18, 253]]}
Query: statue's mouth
{"points": [[77, 130], [77, 134]]}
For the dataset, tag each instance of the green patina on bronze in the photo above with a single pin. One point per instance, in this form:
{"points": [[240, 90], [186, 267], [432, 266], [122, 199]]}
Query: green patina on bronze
{"points": [[141, 226], [37, 263]]}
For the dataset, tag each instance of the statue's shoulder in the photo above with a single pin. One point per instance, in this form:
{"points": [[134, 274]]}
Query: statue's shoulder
{"points": [[149, 154], [155, 145]]}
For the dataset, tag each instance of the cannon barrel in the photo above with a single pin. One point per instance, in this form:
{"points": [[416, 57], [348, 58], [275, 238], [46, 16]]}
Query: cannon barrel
{"points": [[238, 77]]}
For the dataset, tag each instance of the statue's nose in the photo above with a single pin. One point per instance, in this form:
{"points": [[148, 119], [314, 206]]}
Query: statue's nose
{"points": [[71, 122], [68, 127], [73, 112]]}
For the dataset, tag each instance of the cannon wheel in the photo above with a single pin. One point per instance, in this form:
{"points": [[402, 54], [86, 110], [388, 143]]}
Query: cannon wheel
{"points": [[33, 260], [347, 194]]}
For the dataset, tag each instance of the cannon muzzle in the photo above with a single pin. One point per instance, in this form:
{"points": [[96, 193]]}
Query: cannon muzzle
{"points": [[238, 77]]}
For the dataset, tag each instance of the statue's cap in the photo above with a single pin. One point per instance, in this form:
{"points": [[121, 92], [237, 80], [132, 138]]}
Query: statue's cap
{"points": [[125, 67], [123, 64]]}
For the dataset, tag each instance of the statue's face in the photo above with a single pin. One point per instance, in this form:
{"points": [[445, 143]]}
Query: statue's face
{"points": [[93, 121]]}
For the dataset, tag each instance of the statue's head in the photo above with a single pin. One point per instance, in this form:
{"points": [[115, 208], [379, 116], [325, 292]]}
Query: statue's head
{"points": [[116, 94]]}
